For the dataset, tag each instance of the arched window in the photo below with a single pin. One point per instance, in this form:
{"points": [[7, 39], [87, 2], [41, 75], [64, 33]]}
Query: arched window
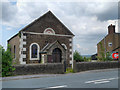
{"points": [[49, 31], [64, 46], [34, 51]]}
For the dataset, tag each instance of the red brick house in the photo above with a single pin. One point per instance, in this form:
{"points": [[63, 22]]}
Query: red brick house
{"points": [[45, 40]]}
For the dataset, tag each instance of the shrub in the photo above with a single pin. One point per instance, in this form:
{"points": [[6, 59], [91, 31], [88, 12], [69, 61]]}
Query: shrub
{"points": [[7, 68], [78, 57], [87, 59], [69, 70], [108, 57]]}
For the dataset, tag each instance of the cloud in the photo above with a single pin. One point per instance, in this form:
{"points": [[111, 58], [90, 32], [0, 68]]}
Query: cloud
{"points": [[88, 21], [31, 10], [8, 11], [78, 46], [103, 11]]}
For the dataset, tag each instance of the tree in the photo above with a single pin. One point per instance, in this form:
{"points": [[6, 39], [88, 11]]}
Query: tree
{"points": [[77, 56], [7, 68]]}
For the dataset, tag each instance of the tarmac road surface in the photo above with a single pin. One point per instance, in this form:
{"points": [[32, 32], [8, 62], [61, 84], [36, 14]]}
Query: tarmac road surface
{"points": [[106, 78]]}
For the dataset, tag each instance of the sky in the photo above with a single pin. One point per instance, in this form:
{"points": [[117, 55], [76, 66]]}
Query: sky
{"points": [[87, 20]]}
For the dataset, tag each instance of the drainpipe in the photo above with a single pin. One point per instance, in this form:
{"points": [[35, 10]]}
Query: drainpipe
{"points": [[72, 53], [105, 46]]}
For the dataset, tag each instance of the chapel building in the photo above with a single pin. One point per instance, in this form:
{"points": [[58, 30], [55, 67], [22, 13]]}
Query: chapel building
{"points": [[45, 40]]}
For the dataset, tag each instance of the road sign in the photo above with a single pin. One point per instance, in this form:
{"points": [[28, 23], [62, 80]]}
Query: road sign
{"points": [[115, 55]]}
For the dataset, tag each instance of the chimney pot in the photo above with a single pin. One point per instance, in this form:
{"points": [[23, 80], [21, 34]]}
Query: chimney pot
{"points": [[111, 29]]}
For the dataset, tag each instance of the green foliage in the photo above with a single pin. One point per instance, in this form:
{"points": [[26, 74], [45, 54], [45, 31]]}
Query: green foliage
{"points": [[0, 59], [7, 68], [19, 34], [87, 59], [108, 58], [69, 70], [78, 57], [104, 56]]}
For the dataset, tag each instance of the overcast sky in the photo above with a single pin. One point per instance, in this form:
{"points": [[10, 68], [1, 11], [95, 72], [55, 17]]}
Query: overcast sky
{"points": [[87, 20]]}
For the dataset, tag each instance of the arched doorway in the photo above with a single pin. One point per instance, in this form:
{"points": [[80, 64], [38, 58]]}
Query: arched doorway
{"points": [[57, 55]]}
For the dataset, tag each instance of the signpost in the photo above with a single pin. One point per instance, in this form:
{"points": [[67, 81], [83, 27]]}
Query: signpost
{"points": [[115, 55]]}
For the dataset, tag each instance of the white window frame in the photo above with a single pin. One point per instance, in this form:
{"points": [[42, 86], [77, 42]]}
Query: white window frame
{"points": [[50, 29], [109, 44], [64, 46], [37, 52]]}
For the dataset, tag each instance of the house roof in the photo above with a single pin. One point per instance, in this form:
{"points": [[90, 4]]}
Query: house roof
{"points": [[49, 12], [45, 47], [116, 48], [12, 37], [50, 45], [107, 35]]}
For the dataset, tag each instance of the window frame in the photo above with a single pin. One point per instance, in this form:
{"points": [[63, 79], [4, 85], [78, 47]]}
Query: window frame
{"points": [[65, 47], [109, 44], [49, 33], [38, 49], [14, 51]]}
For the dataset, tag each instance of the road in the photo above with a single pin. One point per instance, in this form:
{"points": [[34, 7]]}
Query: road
{"points": [[107, 78]]}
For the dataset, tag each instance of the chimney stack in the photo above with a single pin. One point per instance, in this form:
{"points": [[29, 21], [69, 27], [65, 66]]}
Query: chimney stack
{"points": [[111, 29]]}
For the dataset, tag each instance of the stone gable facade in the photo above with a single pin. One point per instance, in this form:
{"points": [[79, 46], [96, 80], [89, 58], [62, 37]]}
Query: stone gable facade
{"points": [[110, 42], [45, 40]]}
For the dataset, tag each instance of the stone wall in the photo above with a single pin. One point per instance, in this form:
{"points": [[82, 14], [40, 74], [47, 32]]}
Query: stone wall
{"points": [[15, 42], [84, 66], [42, 41], [111, 38], [58, 68], [51, 68]]}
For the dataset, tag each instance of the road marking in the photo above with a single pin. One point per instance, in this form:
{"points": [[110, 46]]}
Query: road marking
{"points": [[58, 86], [95, 81], [52, 87], [113, 78], [101, 81]]}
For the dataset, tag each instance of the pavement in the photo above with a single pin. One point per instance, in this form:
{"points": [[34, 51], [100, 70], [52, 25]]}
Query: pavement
{"points": [[28, 76], [106, 78]]}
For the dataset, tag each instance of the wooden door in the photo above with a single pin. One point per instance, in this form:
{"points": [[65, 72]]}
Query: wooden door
{"points": [[49, 58], [57, 55]]}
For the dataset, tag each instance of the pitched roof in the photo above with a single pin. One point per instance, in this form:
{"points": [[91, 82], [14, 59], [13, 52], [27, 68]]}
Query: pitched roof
{"points": [[107, 35], [49, 12], [50, 45]]}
